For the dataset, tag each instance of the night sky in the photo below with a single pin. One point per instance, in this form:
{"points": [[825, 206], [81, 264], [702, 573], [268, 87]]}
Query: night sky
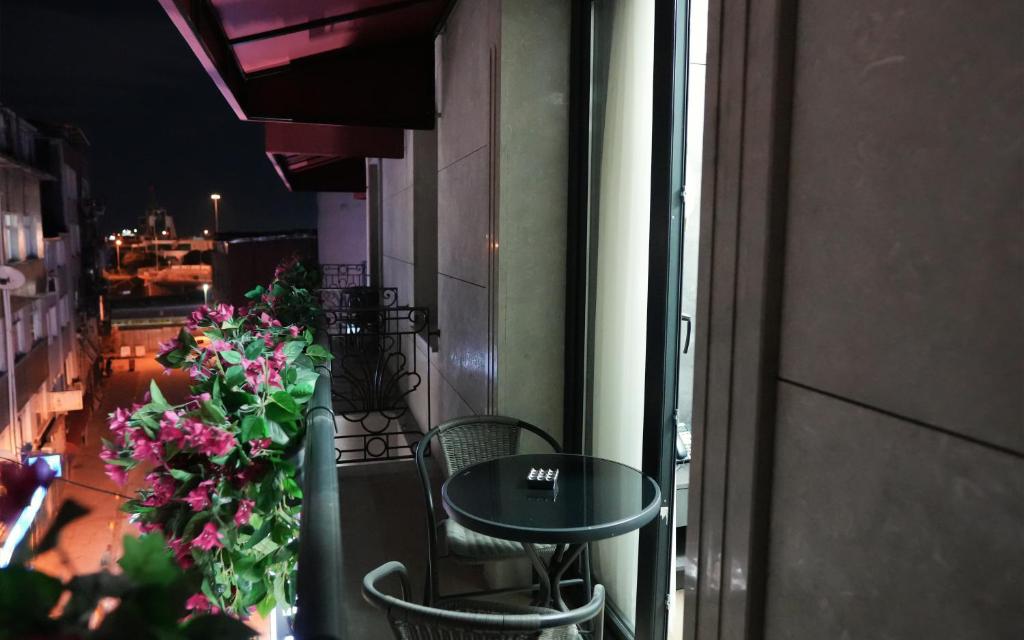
{"points": [[121, 71]]}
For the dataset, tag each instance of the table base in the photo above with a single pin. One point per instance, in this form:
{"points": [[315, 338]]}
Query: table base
{"points": [[550, 575]]}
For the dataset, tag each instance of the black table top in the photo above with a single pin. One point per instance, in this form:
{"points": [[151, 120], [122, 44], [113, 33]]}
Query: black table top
{"points": [[596, 499]]}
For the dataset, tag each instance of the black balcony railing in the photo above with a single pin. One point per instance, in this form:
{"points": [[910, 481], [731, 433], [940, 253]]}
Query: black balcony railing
{"points": [[343, 276], [319, 603], [376, 370]]}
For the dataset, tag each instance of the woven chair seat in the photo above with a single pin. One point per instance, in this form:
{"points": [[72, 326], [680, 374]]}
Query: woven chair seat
{"points": [[482, 606], [469, 547]]}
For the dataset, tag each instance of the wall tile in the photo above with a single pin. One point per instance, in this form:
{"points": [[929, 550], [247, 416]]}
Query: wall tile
{"points": [[884, 529], [397, 222], [399, 274], [463, 219], [464, 125], [464, 356], [904, 260], [396, 173]]}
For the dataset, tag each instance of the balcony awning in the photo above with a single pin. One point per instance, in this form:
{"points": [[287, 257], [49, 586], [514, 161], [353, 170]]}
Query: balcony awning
{"points": [[304, 172], [363, 63], [311, 157]]}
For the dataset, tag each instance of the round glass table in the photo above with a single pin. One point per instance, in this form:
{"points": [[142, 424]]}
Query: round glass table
{"points": [[592, 499]]}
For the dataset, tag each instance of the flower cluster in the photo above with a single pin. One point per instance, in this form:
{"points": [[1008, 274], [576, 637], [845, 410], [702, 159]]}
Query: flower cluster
{"points": [[221, 483]]}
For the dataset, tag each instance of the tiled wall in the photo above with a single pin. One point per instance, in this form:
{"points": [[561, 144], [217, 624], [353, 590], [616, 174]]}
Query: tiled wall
{"points": [[898, 494]]}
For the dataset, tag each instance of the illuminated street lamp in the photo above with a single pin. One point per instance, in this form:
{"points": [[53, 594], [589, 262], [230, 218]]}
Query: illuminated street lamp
{"points": [[206, 288], [117, 246], [216, 211]]}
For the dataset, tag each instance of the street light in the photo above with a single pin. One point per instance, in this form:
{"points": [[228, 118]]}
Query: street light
{"points": [[206, 288], [216, 211], [117, 246]]}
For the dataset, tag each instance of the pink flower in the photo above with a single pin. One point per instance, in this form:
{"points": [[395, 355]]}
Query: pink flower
{"points": [[146, 449], [294, 330], [149, 527], [209, 538], [107, 455], [199, 498], [219, 346], [167, 346], [217, 442], [119, 419], [222, 313], [244, 512], [196, 318], [199, 603], [258, 445], [169, 431], [116, 473], [267, 321], [182, 555], [163, 489]]}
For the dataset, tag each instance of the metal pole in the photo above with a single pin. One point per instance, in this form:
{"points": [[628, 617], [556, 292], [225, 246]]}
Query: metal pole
{"points": [[216, 215]]}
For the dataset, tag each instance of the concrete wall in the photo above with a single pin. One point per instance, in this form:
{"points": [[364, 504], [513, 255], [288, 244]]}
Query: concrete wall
{"points": [[341, 227], [898, 491], [621, 193], [533, 183]]}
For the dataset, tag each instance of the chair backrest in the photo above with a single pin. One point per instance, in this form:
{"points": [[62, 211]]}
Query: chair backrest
{"points": [[463, 442], [411, 621], [472, 439]]}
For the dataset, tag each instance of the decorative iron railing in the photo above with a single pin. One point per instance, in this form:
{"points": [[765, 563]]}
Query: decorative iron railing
{"points": [[342, 276], [376, 370]]}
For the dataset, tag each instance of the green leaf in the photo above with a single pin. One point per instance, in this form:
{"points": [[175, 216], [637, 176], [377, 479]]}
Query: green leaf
{"points": [[147, 560], [254, 349], [182, 475], [213, 412], [286, 402], [231, 357], [317, 352], [259, 535], [157, 396], [276, 433], [218, 626], [254, 427], [234, 376], [293, 349], [26, 598]]}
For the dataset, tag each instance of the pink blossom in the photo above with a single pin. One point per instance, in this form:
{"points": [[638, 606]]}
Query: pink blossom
{"points": [[216, 442], [149, 527], [169, 431], [107, 455], [199, 498], [163, 489], [167, 346], [119, 419], [199, 603], [222, 313], [146, 449], [209, 538], [244, 512], [258, 445], [294, 330], [219, 346], [267, 321], [197, 317], [182, 555], [116, 473]]}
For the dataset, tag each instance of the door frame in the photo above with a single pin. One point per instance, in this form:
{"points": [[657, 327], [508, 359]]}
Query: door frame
{"points": [[744, 193], [664, 307]]}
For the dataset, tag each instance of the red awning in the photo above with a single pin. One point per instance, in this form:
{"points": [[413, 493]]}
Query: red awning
{"points": [[336, 81]]}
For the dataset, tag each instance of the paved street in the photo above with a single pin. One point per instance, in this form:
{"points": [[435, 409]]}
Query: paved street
{"points": [[94, 539]]}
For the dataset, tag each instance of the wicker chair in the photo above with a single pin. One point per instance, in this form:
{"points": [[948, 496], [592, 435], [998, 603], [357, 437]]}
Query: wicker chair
{"points": [[463, 442], [477, 620]]}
